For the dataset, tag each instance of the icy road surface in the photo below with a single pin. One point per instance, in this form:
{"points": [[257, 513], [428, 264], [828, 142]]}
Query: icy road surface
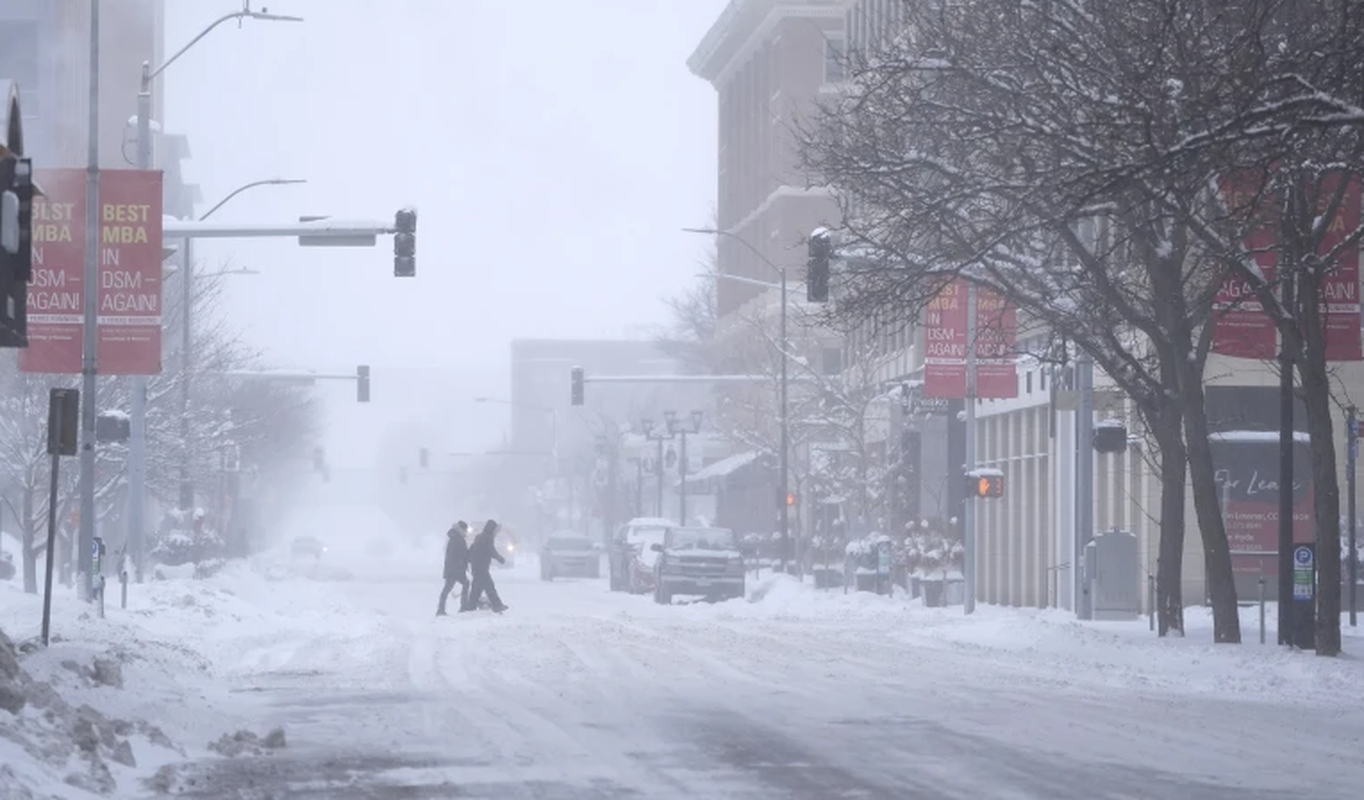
{"points": [[580, 693]]}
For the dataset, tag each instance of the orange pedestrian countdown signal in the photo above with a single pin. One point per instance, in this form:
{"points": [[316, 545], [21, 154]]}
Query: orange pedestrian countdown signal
{"points": [[978, 485]]}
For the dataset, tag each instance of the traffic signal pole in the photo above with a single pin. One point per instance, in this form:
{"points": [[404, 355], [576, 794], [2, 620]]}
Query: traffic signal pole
{"points": [[968, 525]]}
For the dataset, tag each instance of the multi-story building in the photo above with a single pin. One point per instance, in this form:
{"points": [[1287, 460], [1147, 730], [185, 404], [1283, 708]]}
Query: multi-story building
{"points": [[1027, 541], [771, 62], [45, 45]]}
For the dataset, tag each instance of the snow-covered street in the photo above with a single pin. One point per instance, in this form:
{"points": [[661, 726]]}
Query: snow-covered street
{"points": [[577, 692]]}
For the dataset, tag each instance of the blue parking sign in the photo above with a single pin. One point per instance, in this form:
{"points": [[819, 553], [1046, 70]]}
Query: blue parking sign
{"points": [[1302, 556]]}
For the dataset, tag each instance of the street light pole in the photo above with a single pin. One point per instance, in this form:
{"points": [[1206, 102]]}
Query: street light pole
{"points": [[783, 420], [85, 560], [137, 438], [187, 348]]}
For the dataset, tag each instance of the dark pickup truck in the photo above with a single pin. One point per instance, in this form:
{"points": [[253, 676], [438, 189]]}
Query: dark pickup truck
{"points": [[698, 561]]}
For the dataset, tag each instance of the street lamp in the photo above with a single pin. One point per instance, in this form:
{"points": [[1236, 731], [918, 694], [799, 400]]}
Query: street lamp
{"points": [[137, 443], [680, 429], [646, 427], [187, 334], [783, 508]]}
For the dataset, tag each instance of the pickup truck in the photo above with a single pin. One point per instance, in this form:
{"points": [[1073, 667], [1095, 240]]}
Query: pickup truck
{"points": [[698, 561]]}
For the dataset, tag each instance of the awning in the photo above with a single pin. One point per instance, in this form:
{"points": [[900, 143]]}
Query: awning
{"points": [[725, 466]]}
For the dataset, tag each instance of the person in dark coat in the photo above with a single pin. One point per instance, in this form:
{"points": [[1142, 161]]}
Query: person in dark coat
{"points": [[456, 566], [482, 553]]}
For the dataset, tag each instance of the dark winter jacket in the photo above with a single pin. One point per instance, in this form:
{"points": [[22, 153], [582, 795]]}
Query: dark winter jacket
{"points": [[456, 553], [484, 549]]}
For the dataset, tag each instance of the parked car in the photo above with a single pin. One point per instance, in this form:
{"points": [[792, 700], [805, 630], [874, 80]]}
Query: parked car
{"points": [[7, 570], [630, 557], [567, 554], [307, 547], [698, 561]]}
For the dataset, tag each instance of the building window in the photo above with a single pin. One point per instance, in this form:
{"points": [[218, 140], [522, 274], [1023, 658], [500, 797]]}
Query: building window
{"points": [[834, 59]]}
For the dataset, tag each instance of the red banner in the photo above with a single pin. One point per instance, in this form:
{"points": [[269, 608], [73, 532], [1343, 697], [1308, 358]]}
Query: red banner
{"points": [[55, 299], [1241, 328], [945, 342], [130, 272], [129, 290], [1340, 288], [947, 338], [996, 346]]}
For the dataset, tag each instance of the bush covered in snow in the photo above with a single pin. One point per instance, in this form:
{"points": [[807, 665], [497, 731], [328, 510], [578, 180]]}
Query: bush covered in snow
{"points": [[188, 539]]}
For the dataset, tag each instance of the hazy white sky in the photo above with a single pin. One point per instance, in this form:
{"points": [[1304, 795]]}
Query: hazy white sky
{"points": [[553, 150]]}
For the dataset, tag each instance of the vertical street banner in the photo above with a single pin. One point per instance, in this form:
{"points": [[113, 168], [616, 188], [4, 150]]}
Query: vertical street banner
{"points": [[129, 269], [130, 272], [1241, 328], [996, 346], [946, 341], [55, 296], [1340, 311], [944, 321]]}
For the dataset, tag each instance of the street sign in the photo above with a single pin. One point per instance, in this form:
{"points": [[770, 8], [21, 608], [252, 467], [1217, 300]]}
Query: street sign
{"points": [[1302, 573]]}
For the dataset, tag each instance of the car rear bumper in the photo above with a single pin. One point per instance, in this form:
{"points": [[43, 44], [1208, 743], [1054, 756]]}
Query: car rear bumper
{"points": [[574, 568]]}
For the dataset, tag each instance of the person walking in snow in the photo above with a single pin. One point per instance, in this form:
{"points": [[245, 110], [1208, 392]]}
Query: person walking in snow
{"points": [[456, 566], [482, 553]]}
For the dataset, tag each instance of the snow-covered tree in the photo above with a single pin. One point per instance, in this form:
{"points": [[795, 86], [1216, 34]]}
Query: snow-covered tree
{"points": [[261, 422], [1056, 153]]}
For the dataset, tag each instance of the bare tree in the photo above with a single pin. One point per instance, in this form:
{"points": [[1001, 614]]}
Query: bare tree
{"points": [[1054, 152]]}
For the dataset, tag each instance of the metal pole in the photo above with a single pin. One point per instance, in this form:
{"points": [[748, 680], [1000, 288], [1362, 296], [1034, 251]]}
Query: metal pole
{"points": [[186, 371], [784, 506], [1151, 600], [1262, 609], [1084, 479], [51, 547], [682, 482], [1285, 594], [90, 332], [968, 528], [1352, 571], [658, 473], [137, 433]]}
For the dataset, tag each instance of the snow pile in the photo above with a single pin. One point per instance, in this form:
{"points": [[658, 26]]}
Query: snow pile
{"points": [[46, 732], [1040, 648], [70, 714]]}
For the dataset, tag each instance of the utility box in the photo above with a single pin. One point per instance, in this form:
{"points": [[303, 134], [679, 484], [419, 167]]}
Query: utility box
{"points": [[1113, 575]]}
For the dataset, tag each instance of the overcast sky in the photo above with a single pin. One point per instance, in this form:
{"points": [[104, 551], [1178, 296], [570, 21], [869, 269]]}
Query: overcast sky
{"points": [[553, 151]]}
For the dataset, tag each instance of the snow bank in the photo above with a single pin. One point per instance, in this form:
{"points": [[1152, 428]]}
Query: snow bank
{"points": [[172, 656], [1051, 647]]}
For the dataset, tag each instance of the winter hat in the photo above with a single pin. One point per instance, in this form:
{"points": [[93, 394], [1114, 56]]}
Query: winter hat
{"points": [[491, 527]]}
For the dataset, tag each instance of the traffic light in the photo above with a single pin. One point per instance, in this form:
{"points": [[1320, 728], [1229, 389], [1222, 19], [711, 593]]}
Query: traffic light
{"points": [[578, 379], [821, 250], [984, 484], [405, 243], [63, 422], [424, 458], [362, 383], [16, 247], [785, 498]]}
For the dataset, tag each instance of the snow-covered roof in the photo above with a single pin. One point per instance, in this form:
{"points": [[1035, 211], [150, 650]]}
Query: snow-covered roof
{"points": [[651, 522], [1256, 437], [985, 472], [723, 467]]}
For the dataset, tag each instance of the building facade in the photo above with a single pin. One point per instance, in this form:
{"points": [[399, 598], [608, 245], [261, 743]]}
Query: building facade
{"points": [[45, 45]]}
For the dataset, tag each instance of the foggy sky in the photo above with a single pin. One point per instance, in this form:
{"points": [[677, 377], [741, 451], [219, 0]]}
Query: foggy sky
{"points": [[553, 150]]}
